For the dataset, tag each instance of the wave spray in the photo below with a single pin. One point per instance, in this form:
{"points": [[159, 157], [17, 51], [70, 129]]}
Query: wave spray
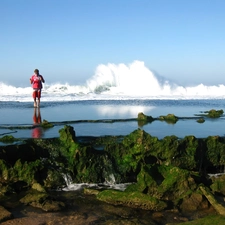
{"points": [[137, 80], [116, 81]]}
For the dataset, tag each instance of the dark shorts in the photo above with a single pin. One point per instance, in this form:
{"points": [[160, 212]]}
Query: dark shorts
{"points": [[37, 93]]}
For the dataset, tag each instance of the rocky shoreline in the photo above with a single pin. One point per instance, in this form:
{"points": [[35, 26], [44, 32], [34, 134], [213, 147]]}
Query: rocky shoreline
{"points": [[170, 182]]}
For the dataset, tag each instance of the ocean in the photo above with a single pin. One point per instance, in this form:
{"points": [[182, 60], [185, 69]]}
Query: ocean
{"points": [[114, 92]]}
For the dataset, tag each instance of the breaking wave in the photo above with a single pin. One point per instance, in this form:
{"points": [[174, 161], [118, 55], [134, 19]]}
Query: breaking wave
{"points": [[116, 81]]}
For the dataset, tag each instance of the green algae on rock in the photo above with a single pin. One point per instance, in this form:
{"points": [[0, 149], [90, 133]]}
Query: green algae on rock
{"points": [[201, 120], [142, 116], [46, 124], [166, 183], [144, 119], [170, 118], [133, 199], [8, 139], [218, 184], [214, 113], [165, 173]]}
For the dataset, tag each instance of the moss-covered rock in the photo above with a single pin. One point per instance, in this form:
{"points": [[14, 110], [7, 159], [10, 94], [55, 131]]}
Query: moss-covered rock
{"points": [[170, 118], [128, 155], [27, 171], [188, 150], [46, 124], [201, 120], [142, 116], [215, 151], [167, 183], [214, 113], [165, 172], [218, 184], [133, 199], [149, 176], [189, 153], [8, 139], [85, 163], [4, 170], [144, 119], [38, 187]]}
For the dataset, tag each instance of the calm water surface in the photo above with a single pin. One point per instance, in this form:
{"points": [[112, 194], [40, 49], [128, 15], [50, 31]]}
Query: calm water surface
{"points": [[23, 113]]}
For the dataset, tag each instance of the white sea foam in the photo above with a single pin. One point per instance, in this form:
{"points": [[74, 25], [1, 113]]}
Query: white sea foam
{"points": [[112, 81], [81, 186]]}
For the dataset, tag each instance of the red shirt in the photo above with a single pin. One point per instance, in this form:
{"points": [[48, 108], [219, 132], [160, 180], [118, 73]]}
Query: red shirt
{"points": [[36, 81]]}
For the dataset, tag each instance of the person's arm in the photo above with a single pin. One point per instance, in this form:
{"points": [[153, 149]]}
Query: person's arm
{"points": [[42, 79], [31, 80]]}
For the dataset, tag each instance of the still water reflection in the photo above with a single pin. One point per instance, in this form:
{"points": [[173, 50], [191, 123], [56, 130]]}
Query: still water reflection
{"points": [[97, 110]]}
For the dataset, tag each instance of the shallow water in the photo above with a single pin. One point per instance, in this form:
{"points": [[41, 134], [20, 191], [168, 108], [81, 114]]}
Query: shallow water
{"points": [[23, 114]]}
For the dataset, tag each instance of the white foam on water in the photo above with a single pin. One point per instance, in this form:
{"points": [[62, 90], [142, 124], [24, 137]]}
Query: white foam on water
{"points": [[81, 186], [116, 81]]}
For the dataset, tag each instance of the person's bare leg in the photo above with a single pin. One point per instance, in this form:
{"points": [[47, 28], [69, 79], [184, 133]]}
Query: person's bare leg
{"points": [[39, 98], [38, 102], [34, 97], [35, 102]]}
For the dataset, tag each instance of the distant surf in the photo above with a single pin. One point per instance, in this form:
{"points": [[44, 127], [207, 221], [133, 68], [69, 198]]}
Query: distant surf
{"points": [[119, 82]]}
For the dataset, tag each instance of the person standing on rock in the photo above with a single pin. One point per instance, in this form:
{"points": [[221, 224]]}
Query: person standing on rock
{"points": [[36, 80]]}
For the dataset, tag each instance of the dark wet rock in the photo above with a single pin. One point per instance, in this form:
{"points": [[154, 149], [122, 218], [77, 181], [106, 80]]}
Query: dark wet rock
{"points": [[5, 214], [27, 151], [49, 205], [34, 196], [193, 202], [209, 219], [216, 205], [128, 222], [201, 120], [42, 200], [119, 211]]}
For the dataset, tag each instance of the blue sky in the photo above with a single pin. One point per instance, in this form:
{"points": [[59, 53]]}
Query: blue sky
{"points": [[182, 40]]}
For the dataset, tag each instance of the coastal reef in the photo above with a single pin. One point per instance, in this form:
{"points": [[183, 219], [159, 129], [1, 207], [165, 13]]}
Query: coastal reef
{"points": [[182, 175]]}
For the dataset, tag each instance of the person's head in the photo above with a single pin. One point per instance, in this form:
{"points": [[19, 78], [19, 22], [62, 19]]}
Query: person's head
{"points": [[36, 71]]}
